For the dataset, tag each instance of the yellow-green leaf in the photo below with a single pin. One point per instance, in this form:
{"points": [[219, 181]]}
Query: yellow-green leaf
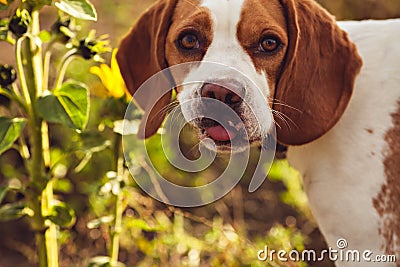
{"points": [[67, 105], [80, 9], [10, 129]]}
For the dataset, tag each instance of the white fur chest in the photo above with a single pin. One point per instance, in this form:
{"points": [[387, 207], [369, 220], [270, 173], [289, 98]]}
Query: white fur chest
{"points": [[343, 171]]}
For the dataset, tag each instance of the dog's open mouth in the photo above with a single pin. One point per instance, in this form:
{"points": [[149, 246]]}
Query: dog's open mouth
{"points": [[223, 135], [220, 134]]}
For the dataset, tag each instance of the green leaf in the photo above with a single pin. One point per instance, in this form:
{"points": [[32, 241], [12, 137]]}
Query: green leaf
{"points": [[141, 224], [13, 211], [67, 105], [63, 185], [3, 192], [80, 9], [10, 129], [62, 215], [3, 27]]}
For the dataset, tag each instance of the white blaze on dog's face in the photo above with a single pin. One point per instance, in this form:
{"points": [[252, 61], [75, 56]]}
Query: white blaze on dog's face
{"points": [[250, 42]]}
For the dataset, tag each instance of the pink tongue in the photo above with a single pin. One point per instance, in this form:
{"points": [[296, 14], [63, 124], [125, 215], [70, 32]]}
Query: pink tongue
{"points": [[219, 133]]}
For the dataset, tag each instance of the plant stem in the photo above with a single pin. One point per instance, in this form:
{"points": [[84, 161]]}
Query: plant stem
{"points": [[29, 61], [25, 63], [67, 58], [46, 69], [24, 149], [46, 145], [47, 202], [117, 228], [46, 64], [29, 52], [118, 209], [21, 73], [51, 231], [37, 52], [10, 40]]}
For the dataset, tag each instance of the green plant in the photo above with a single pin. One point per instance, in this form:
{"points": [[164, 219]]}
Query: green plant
{"points": [[37, 100], [113, 188]]}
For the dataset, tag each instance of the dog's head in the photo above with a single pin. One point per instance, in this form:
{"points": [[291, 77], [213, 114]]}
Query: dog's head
{"points": [[288, 63]]}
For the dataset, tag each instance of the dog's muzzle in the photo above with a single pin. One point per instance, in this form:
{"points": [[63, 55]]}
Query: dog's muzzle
{"points": [[227, 93]]}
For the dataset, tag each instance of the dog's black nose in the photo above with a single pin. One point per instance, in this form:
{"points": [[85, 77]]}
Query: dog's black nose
{"points": [[230, 94]]}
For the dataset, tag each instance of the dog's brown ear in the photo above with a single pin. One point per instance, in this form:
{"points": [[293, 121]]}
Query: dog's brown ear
{"points": [[318, 75], [141, 54]]}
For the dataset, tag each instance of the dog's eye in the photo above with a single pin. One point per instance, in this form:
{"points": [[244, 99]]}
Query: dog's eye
{"points": [[269, 44], [189, 41]]}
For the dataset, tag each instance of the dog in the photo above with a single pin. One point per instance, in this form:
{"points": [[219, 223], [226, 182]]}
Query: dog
{"points": [[331, 88]]}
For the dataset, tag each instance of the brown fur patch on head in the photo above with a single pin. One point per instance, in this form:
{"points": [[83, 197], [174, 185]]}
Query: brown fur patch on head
{"points": [[387, 202], [317, 78], [141, 54], [189, 18], [263, 19]]}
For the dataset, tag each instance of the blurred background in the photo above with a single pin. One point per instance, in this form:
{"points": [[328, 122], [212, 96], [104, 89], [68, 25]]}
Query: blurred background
{"points": [[228, 232]]}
